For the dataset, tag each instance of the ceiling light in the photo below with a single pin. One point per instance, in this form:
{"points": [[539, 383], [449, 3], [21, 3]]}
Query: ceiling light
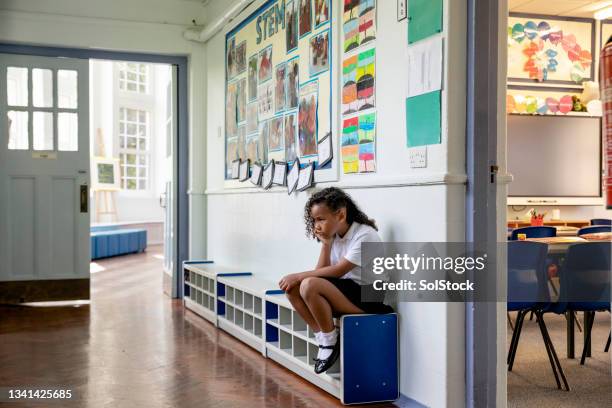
{"points": [[603, 14]]}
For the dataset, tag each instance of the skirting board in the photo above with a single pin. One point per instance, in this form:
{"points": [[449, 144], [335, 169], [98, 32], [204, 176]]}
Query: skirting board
{"points": [[14, 292]]}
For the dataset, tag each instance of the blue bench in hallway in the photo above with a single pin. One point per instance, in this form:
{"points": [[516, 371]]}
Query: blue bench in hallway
{"points": [[107, 241]]}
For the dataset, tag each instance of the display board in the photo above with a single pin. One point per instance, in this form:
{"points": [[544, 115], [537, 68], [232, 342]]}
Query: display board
{"points": [[278, 102]]}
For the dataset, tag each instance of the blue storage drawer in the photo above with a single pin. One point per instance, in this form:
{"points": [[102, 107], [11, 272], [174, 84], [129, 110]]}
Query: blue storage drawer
{"points": [[109, 241]]}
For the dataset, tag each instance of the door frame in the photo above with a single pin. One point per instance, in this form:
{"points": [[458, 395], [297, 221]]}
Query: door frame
{"points": [[182, 171], [485, 380]]}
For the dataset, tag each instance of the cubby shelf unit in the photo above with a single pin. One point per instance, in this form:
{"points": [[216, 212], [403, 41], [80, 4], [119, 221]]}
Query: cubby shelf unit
{"points": [[291, 343], [240, 309], [201, 286]]}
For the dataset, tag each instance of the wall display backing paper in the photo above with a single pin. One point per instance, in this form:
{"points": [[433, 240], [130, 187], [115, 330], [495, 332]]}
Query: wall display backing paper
{"points": [[550, 49], [270, 43]]}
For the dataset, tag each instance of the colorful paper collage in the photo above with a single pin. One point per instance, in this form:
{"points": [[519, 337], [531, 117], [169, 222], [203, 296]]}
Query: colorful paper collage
{"points": [[252, 118], [366, 74], [359, 23], [242, 143], [266, 100], [276, 139], [264, 64], [231, 126], [358, 144], [241, 58], [230, 59], [262, 141], [293, 83], [319, 53], [241, 101], [349, 87], [280, 87], [251, 148], [291, 20], [531, 104], [551, 50]]}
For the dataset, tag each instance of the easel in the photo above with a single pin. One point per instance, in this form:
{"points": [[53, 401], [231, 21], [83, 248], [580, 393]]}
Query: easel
{"points": [[106, 204]]}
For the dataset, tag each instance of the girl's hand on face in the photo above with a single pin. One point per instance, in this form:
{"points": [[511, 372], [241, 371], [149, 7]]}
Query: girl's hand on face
{"points": [[323, 238], [288, 282]]}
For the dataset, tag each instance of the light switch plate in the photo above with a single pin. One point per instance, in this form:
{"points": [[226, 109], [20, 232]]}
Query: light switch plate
{"points": [[418, 157], [402, 12]]}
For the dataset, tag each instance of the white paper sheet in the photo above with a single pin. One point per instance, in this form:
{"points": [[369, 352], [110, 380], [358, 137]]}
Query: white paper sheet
{"points": [[325, 150], [266, 180], [305, 177], [425, 66], [256, 174], [293, 177], [236, 169], [244, 171], [280, 173]]}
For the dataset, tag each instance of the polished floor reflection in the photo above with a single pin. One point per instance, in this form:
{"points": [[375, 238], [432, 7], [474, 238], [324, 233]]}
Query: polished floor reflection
{"points": [[134, 347]]}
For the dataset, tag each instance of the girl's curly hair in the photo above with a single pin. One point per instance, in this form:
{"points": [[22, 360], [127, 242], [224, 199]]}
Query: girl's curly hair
{"points": [[335, 199]]}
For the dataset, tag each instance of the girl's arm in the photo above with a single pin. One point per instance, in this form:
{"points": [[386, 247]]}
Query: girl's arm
{"points": [[324, 256], [330, 271]]}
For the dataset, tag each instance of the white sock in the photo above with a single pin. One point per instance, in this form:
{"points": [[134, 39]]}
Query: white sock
{"points": [[327, 339]]}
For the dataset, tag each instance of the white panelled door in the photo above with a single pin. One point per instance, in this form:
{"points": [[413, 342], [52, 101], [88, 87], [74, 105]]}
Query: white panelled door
{"points": [[44, 170]]}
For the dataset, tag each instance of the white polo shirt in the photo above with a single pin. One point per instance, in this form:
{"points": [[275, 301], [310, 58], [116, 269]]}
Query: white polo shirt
{"points": [[349, 247]]}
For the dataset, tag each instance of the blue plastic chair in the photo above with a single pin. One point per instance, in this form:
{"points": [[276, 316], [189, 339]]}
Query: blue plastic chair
{"points": [[594, 229], [601, 221], [585, 284], [528, 292], [534, 232]]}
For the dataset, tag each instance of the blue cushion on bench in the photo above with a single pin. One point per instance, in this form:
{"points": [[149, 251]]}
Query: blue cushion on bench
{"points": [[109, 241]]}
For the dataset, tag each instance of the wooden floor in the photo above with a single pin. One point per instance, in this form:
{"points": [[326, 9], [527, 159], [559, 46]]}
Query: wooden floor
{"points": [[135, 347]]}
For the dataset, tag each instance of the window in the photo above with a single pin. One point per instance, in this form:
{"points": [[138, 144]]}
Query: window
{"points": [[133, 77], [134, 141]]}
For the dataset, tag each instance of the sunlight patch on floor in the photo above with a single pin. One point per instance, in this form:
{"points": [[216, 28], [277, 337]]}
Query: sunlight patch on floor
{"points": [[96, 267]]}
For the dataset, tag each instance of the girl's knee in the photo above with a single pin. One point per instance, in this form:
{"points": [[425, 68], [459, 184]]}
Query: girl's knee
{"points": [[308, 287], [293, 293]]}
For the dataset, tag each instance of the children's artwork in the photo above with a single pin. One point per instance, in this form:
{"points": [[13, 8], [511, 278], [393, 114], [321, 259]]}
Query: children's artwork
{"points": [[231, 125], [276, 136], [290, 137], [241, 101], [262, 141], [305, 17], [264, 64], [235, 172], [366, 72], [244, 170], [293, 83], [105, 174], [358, 144], [252, 121], [266, 100], [230, 59], [324, 150], [251, 148], [280, 87], [553, 50], [291, 20], [321, 12], [307, 124], [270, 115], [349, 85], [542, 102], [241, 58], [319, 53], [242, 143], [359, 23], [253, 78], [256, 173]]}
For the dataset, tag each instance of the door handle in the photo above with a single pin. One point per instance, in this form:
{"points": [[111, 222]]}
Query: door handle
{"points": [[84, 195]]}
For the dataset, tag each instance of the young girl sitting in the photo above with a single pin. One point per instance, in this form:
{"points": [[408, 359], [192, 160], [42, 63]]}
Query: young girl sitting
{"points": [[334, 287]]}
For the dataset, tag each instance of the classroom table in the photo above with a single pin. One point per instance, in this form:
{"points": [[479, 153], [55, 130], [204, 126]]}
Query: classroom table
{"points": [[598, 236]]}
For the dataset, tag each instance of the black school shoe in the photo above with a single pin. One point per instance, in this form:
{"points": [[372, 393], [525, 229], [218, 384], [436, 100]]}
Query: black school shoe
{"points": [[325, 364]]}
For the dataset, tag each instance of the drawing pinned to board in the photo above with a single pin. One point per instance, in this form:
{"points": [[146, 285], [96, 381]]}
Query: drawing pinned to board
{"points": [[231, 126], [366, 74], [242, 143], [359, 23], [280, 88], [290, 137], [321, 12], [276, 137], [349, 85], [241, 101], [266, 100], [264, 64], [293, 82], [291, 20], [252, 121], [359, 144], [262, 141], [305, 17], [367, 136], [241, 58], [252, 78], [307, 121], [319, 53]]}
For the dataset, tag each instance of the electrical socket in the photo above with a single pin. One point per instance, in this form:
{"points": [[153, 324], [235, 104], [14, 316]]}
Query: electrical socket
{"points": [[418, 157]]}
